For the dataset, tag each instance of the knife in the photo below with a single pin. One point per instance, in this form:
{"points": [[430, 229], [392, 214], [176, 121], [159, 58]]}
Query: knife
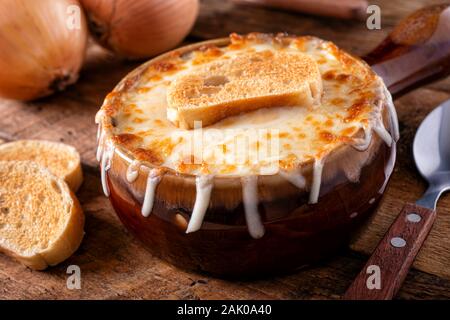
{"points": [[383, 274]]}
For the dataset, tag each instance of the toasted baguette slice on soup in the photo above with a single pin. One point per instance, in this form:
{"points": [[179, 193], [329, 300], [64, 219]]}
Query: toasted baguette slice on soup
{"points": [[242, 84], [41, 221], [61, 159]]}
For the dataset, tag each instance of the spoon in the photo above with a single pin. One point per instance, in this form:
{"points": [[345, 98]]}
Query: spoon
{"points": [[389, 264], [416, 52]]}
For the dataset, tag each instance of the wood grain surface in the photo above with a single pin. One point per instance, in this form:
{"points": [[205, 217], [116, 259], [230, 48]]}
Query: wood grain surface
{"points": [[115, 265]]}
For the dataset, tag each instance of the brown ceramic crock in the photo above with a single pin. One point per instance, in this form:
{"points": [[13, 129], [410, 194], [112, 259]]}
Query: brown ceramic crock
{"points": [[296, 232]]}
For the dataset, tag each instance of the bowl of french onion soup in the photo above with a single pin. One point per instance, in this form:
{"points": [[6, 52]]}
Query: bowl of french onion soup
{"points": [[249, 155]]}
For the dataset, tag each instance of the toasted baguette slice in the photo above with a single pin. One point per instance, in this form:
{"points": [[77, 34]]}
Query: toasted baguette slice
{"points": [[248, 82], [61, 159], [41, 221]]}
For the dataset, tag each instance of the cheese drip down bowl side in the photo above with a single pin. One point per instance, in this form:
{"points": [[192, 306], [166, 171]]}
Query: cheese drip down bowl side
{"points": [[240, 224]]}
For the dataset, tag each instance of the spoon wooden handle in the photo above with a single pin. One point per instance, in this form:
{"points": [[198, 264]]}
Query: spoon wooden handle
{"points": [[416, 52], [383, 274]]}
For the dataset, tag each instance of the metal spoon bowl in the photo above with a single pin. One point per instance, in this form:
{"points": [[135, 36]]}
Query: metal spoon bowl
{"points": [[394, 255], [432, 154]]}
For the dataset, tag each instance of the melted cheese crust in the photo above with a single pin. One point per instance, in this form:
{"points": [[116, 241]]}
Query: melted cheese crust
{"points": [[259, 142]]}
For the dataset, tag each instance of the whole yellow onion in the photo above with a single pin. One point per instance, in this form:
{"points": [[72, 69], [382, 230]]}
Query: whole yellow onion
{"points": [[42, 46], [140, 28]]}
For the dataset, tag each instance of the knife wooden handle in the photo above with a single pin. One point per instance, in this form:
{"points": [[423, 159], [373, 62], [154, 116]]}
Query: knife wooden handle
{"points": [[416, 52], [344, 9], [383, 274]]}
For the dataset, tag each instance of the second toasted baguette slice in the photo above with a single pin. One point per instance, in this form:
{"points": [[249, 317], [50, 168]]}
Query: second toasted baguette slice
{"points": [[61, 159], [41, 221], [241, 84]]}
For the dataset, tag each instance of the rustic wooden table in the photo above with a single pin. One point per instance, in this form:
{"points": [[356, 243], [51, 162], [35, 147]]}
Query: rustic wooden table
{"points": [[115, 265]]}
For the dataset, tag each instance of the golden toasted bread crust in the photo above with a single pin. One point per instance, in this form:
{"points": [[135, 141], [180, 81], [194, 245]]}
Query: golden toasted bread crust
{"points": [[249, 82], [41, 221], [61, 159]]}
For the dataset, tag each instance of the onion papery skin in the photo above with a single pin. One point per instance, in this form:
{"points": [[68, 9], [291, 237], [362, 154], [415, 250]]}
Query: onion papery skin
{"points": [[141, 28], [41, 50]]}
